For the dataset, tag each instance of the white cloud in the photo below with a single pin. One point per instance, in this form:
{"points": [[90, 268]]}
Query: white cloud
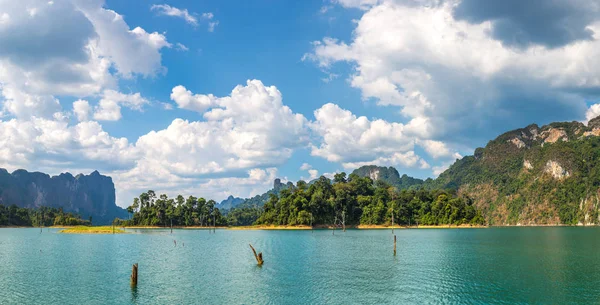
{"points": [[50, 144], [26, 106], [132, 51], [109, 107], [348, 138], [249, 128], [186, 100], [407, 160], [36, 66], [314, 174], [437, 149], [305, 167], [164, 9], [453, 77], [212, 23], [592, 112], [81, 109], [181, 47]]}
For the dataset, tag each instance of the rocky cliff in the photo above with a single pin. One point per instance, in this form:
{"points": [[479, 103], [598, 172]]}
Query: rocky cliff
{"points": [[87, 195], [533, 175]]}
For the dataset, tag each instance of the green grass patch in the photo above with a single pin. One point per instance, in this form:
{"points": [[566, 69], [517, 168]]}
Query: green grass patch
{"points": [[92, 230]]}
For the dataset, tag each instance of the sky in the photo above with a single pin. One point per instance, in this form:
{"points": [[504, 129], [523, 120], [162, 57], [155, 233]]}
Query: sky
{"points": [[219, 98]]}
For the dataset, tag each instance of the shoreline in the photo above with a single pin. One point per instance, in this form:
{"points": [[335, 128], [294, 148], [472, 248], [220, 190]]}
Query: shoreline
{"points": [[301, 227]]}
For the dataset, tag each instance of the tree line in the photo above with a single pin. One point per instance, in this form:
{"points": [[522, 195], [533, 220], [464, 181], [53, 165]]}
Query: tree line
{"points": [[44, 216], [151, 210], [356, 200], [345, 201]]}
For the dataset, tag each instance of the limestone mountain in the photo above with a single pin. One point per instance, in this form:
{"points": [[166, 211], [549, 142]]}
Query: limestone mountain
{"points": [[533, 175], [86, 195], [389, 175], [230, 202]]}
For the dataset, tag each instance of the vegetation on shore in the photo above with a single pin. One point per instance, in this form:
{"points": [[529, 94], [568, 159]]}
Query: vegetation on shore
{"points": [[354, 200], [44, 216], [345, 201], [92, 230], [162, 211]]}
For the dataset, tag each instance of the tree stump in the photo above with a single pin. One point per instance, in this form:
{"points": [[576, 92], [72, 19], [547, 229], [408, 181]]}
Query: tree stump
{"points": [[259, 257], [134, 275], [394, 245]]}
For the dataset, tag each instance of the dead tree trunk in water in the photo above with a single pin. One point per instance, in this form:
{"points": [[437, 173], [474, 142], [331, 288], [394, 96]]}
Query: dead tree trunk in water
{"points": [[258, 257], [394, 245], [134, 275]]}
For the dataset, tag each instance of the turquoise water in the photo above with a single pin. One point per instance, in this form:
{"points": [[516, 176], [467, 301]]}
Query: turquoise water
{"points": [[432, 266]]}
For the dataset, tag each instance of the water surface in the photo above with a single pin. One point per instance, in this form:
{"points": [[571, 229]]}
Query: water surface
{"points": [[559, 265]]}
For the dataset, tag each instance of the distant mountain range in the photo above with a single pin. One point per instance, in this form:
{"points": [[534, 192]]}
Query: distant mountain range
{"points": [[87, 195]]}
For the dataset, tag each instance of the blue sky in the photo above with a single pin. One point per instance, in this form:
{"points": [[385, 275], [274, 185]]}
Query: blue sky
{"points": [[144, 90]]}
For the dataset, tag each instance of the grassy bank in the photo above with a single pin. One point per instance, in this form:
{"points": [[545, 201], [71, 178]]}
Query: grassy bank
{"points": [[92, 230]]}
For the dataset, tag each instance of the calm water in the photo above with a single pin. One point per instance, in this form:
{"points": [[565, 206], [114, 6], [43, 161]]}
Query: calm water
{"points": [[441, 266]]}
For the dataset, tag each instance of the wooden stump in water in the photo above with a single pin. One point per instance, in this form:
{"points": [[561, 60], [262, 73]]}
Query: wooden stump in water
{"points": [[134, 275], [259, 258], [394, 245]]}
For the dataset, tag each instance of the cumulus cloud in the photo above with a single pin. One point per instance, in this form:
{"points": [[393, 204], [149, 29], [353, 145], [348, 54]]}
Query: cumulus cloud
{"points": [[109, 107], [249, 128], [81, 109], [356, 141], [592, 112], [437, 149], [52, 143], [456, 78], [305, 167], [83, 49]]}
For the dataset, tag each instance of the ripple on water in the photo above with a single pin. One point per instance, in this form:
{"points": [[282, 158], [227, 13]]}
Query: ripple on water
{"points": [[493, 266]]}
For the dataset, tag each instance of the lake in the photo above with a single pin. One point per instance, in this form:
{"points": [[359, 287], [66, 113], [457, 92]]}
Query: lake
{"points": [[558, 265]]}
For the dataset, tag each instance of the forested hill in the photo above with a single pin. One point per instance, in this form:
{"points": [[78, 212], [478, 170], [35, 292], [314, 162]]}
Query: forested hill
{"points": [[390, 175], [533, 175], [85, 195]]}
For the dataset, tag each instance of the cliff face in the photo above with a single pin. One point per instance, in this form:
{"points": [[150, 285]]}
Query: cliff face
{"points": [[533, 175], [87, 195]]}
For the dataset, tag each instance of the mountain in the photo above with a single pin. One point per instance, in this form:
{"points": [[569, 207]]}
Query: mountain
{"points": [[230, 202], [533, 175], [528, 176], [389, 175], [259, 200], [86, 195]]}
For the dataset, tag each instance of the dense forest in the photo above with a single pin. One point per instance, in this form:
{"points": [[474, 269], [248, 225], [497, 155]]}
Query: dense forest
{"points": [[151, 210], [44, 216], [356, 200], [345, 201]]}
